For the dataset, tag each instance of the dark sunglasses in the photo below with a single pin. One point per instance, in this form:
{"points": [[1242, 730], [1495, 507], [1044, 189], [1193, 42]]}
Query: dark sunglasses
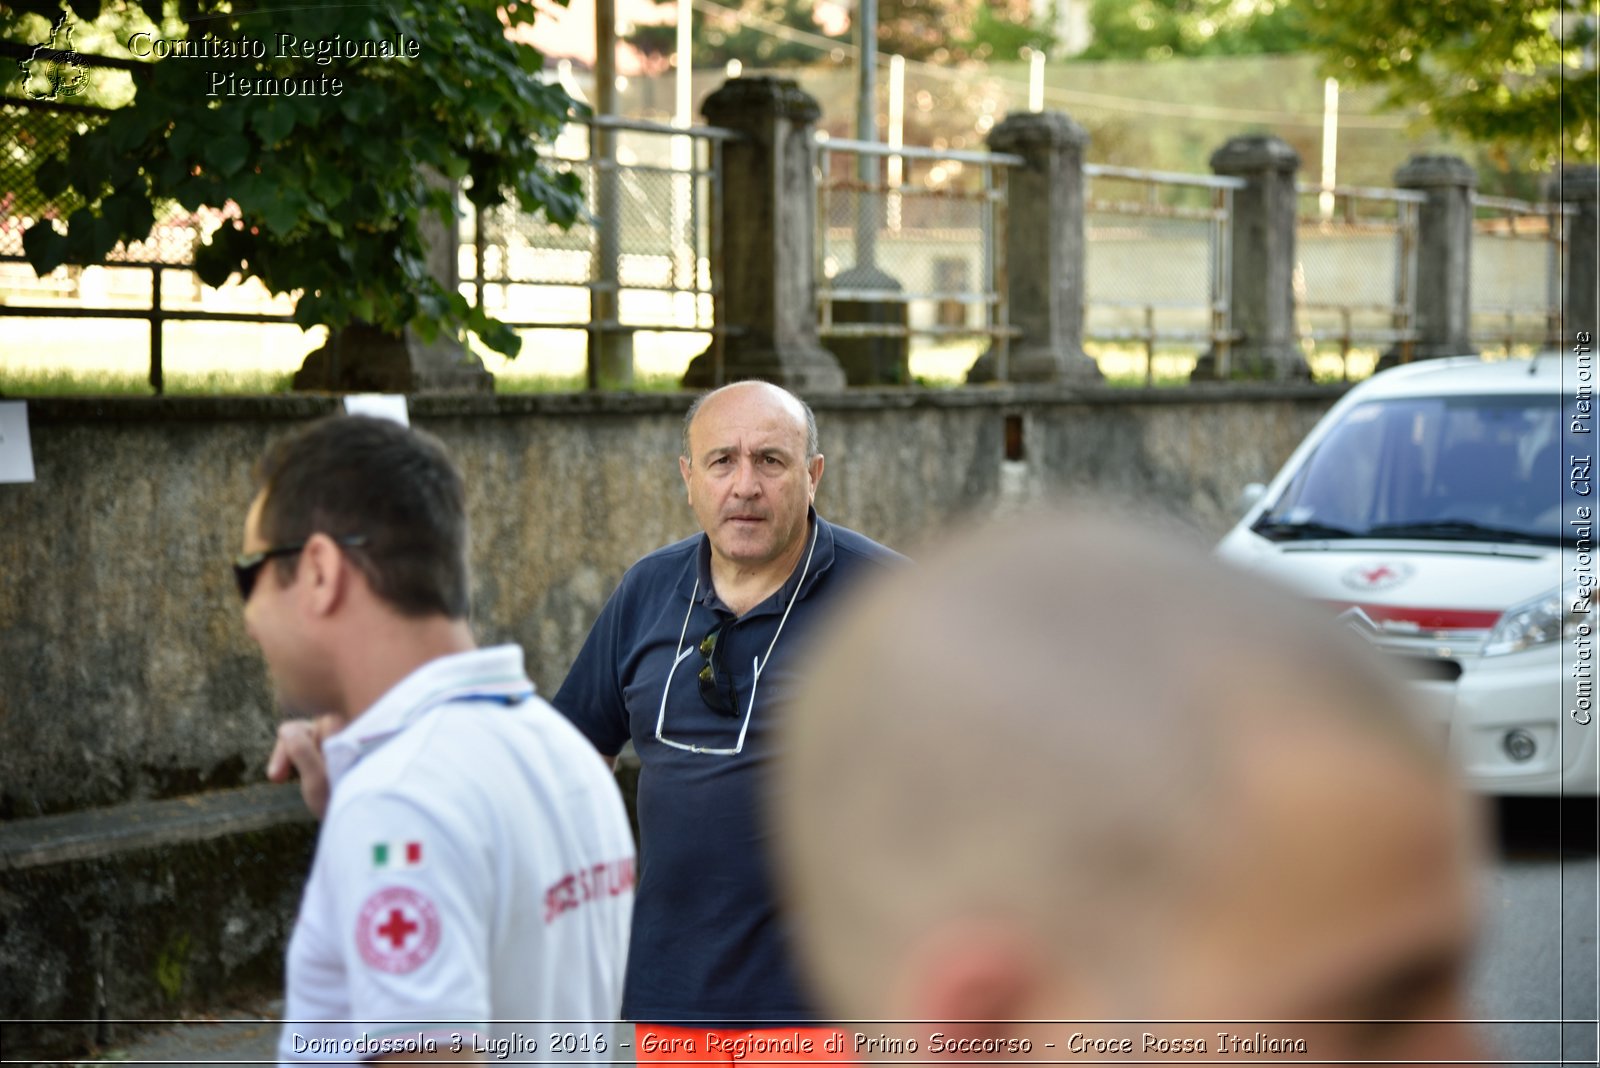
{"points": [[247, 568], [716, 686]]}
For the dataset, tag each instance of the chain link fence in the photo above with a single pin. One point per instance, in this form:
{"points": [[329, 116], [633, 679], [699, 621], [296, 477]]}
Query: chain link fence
{"points": [[1157, 266], [1517, 255], [1355, 277], [145, 280], [917, 229], [643, 256], [909, 244]]}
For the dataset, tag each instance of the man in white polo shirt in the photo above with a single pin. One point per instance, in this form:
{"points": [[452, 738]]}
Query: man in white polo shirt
{"points": [[474, 873]]}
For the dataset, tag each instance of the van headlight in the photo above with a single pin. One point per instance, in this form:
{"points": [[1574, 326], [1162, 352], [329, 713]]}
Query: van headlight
{"points": [[1547, 618]]}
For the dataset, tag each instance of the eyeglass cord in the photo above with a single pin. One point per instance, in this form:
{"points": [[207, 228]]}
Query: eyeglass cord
{"points": [[758, 665]]}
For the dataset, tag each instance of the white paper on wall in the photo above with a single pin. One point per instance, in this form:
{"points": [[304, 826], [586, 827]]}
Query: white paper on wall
{"points": [[16, 447], [379, 406]]}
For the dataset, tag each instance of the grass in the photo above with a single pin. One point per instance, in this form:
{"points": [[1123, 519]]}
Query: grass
{"points": [[643, 382], [62, 382], [1123, 366]]}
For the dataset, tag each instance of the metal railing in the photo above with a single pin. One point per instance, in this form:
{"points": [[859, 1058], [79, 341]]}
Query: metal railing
{"points": [[921, 228], [1518, 249], [656, 268], [1356, 268], [1158, 262], [647, 255], [149, 280]]}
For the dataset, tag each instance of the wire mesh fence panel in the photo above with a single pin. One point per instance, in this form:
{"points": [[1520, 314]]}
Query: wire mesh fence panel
{"points": [[1516, 264], [33, 133], [1155, 266], [913, 227], [644, 240], [1355, 267], [111, 317], [29, 135]]}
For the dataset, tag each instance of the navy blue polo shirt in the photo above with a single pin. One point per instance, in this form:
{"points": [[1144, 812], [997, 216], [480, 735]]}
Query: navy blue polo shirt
{"points": [[707, 943]]}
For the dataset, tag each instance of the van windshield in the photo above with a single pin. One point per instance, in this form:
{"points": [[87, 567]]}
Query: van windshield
{"points": [[1436, 468]]}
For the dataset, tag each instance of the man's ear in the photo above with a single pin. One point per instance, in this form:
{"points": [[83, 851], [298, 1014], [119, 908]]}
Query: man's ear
{"points": [[683, 469], [814, 469], [327, 572], [974, 976]]}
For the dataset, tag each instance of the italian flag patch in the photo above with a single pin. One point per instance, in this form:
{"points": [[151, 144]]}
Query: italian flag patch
{"points": [[389, 856]]}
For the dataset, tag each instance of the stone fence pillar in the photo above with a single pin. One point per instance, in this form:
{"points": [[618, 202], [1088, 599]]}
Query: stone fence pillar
{"points": [[1263, 225], [1444, 257], [1044, 246], [1578, 187], [768, 232]]}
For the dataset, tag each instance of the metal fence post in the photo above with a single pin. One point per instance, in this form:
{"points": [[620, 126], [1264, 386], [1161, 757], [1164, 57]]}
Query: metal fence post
{"points": [[157, 320]]}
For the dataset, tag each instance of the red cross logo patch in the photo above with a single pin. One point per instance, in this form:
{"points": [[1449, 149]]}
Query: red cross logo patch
{"points": [[398, 930]]}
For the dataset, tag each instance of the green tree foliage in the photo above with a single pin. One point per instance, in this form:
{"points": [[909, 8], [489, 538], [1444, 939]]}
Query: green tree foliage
{"points": [[1511, 74], [996, 39], [1167, 29], [956, 31], [763, 34], [766, 34], [325, 194]]}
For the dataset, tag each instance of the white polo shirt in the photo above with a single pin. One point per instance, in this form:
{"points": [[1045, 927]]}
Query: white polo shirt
{"points": [[473, 883]]}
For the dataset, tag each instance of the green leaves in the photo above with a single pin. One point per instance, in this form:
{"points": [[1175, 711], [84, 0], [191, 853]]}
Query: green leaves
{"points": [[128, 213], [1165, 29], [330, 189], [227, 154], [46, 250], [272, 123], [213, 265], [1489, 69], [282, 213], [51, 177]]}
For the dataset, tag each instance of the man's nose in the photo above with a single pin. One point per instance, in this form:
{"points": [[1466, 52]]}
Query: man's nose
{"points": [[745, 482]]}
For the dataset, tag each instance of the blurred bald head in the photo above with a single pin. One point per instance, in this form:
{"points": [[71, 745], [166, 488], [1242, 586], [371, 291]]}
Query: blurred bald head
{"points": [[1072, 770]]}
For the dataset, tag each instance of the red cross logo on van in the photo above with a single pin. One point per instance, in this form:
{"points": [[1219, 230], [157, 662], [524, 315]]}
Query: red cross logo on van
{"points": [[1379, 576]]}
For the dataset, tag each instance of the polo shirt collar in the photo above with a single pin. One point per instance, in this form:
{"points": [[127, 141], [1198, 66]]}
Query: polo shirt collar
{"points": [[495, 673], [699, 570]]}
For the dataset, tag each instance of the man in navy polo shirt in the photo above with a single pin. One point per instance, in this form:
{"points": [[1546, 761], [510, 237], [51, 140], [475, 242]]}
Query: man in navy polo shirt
{"points": [[693, 658]]}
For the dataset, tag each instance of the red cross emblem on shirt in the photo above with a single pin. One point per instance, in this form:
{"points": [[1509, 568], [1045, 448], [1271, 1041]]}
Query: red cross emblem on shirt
{"points": [[397, 930]]}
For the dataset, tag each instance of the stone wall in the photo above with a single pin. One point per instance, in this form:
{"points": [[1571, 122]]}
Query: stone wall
{"points": [[127, 673], [147, 870]]}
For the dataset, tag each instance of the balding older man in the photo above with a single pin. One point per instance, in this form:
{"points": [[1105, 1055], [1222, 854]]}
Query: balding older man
{"points": [[1071, 772], [693, 659]]}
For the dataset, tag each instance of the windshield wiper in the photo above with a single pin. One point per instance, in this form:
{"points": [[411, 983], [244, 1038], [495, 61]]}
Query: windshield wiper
{"points": [[1459, 530], [1309, 530]]}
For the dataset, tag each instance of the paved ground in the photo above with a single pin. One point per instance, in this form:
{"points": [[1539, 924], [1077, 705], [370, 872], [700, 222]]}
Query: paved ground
{"points": [[1539, 954], [249, 1037]]}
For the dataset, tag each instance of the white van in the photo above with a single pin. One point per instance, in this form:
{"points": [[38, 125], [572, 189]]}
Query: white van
{"points": [[1446, 509]]}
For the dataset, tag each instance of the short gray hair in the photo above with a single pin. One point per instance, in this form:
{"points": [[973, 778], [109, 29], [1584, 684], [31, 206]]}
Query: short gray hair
{"points": [[813, 443], [1062, 754]]}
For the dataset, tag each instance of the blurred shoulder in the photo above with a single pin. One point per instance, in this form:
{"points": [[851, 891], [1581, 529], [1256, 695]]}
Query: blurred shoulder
{"points": [[853, 548]]}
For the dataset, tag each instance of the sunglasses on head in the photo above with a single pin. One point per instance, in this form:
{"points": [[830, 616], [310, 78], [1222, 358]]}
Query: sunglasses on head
{"points": [[247, 567]]}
